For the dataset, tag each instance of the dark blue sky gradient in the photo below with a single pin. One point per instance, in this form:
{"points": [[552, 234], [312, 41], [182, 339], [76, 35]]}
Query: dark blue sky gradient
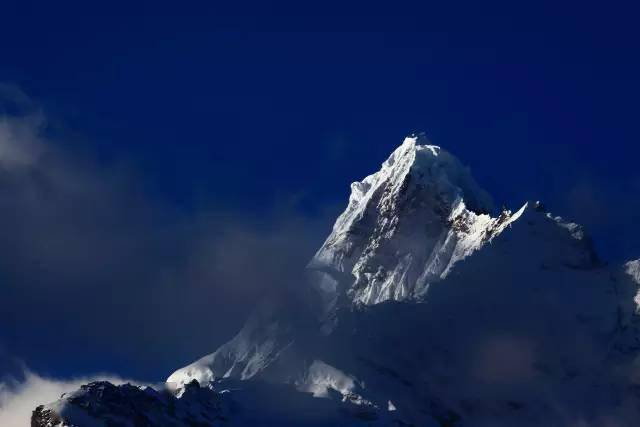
{"points": [[248, 109], [197, 96]]}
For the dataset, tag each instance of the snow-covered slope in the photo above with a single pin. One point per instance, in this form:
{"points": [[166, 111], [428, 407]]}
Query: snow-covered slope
{"points": [[265, 346], [512, 336], [405, 227], [425, 308]]}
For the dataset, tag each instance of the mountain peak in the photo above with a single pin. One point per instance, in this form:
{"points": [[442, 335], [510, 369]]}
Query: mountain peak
{"points": [[418, 158], [404, 226], [418, 163], [419, 138]]}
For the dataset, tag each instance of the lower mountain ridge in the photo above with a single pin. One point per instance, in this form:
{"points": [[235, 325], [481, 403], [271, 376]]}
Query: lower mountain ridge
{"points": [[420, 309]]}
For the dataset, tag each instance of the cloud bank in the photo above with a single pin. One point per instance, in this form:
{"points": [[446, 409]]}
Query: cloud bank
{"points": [[97, 274]]}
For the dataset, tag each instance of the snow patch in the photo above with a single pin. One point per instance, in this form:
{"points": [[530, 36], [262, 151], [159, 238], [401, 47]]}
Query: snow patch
{"points": [[632, 268], [322, 378]]}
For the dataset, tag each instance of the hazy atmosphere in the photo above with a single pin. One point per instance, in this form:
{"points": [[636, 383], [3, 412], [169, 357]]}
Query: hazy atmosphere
{"points": [[161, 171]]}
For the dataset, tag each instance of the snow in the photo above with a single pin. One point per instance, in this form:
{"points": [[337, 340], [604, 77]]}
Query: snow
{"points": [[632, 268], [263, 340], [405, 227], [322, 378]]}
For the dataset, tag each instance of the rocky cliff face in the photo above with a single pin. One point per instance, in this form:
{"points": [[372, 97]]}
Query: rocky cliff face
{"points": [[102, 403]]}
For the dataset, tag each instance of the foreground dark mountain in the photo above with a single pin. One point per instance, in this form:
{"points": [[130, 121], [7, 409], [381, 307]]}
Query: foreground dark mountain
{"points": [[422, 308], [226, 402]]}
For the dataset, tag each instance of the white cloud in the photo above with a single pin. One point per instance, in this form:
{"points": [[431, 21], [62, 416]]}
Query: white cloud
{"points": [[84, 238], [20, 143], [18, 399]]}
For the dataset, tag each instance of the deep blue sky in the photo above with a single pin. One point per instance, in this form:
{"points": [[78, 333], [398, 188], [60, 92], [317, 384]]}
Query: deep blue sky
{"points": [[246, 110]]}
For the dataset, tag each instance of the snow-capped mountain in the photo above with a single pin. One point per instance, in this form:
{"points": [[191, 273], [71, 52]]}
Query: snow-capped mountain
{"points": [[423, 307]]}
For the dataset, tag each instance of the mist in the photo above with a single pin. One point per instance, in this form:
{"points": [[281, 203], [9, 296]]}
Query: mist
{"points": [[97, 274]]}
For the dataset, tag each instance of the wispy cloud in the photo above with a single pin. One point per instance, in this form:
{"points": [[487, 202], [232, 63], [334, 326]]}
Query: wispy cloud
{"points": [[135, 277]]}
